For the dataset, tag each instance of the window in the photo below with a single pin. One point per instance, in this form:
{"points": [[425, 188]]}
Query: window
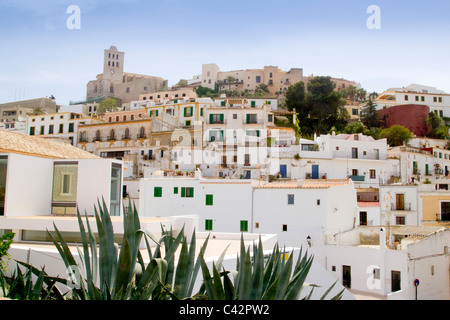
{"points": [[270, 118], [208, 225], [422, 98], [406, 98], [42, 129], [157, 192], [258, 79], [373, 174], [188, 111], [252, 118], [71, 127], [440, 99], [209, 199], [32, 131], [284, 228], [355, 112], [216, 118], [363, 218], [434, 99], [355, 172], [244, 226], [417, 98], [188, 123], [400, 220], [175, 190], [50, 129], [65, 184], [187, 192], [61, 128], [354, 153], [318, 202], [290, 199]]}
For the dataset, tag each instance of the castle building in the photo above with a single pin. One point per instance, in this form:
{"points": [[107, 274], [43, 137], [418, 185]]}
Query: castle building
{"points": [[116, 83]]}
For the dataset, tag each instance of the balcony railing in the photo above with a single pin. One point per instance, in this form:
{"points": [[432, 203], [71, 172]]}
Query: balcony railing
{"points": [[318, 176], [358, 178], [401, 207]]}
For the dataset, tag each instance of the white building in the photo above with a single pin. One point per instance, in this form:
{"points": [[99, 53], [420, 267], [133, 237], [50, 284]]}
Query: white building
{"points": [[437, 100], [54, 178], [58, 126], [364, 260]]}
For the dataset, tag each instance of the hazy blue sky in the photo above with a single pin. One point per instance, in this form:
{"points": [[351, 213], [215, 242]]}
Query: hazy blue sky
{"points": [[40, 56]]}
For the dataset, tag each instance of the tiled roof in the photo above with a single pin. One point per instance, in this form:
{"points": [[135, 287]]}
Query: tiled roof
{"points": [[11, 142], [305, 184], [368, 204]]}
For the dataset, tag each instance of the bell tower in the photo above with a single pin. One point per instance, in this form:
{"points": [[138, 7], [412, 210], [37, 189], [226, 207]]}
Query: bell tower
{"points": [[113, 65]]}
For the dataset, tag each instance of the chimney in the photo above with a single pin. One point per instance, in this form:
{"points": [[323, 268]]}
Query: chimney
{"points": [[382, 239]]}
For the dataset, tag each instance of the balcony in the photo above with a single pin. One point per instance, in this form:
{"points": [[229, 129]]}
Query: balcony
{"points": [[401, 206], [358, 178], [319, 176]]}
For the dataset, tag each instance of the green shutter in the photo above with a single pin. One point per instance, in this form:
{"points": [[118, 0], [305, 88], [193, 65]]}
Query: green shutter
{"points": [[175, 190], [257, 133], [185, 111], [183, 192], [253, 104], [221, 135], [201, 112], [157, 192], [211, 118], [248, 118], [210, 135], [221, 118], [209, 199], [208, 225], [244, 226], [156, 112], [222, 103]]}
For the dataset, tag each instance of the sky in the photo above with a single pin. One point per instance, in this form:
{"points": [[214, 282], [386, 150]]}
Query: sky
{"points": [[41, 56]]}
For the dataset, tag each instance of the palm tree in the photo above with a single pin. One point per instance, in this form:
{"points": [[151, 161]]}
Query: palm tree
{"points": [[37, 111]]}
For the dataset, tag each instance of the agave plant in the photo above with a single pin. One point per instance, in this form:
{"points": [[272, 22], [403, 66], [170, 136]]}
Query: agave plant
{"points": [[277, 279], [113, 274], [21, 286]]}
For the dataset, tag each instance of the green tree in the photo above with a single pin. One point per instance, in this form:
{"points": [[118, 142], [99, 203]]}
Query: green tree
{"points": [[369, 114], [295, 98], [6, 241], [396, 135], [107, 105], [352, 90], [322, 101], [206, 92], [436, 126]]}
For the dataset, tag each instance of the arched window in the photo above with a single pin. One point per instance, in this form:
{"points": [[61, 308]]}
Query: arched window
{"points": [[83, 137], [142, 133], [112, 135], [97, 135], [127, 133]]}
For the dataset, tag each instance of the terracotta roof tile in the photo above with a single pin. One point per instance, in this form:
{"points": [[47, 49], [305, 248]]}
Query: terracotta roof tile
{"points": [[368, 204], [12, 142]]}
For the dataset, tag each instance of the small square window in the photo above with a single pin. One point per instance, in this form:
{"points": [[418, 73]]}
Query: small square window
{"points": [[290, 199], [284, 227], [157, 192], [318, 202], [333, 268]]}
